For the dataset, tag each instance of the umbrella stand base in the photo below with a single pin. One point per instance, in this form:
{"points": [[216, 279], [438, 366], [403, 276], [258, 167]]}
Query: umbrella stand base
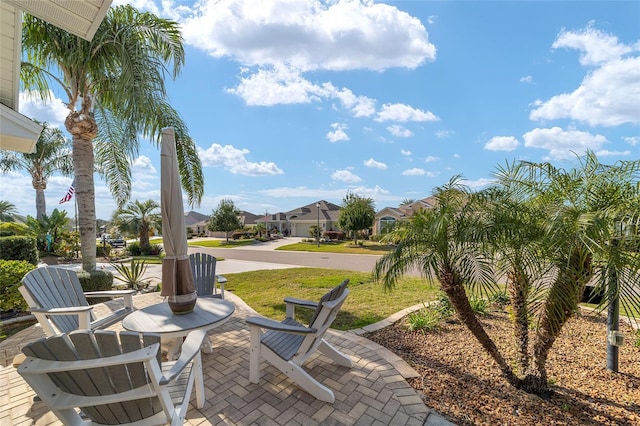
{"points": [[182, 303]]}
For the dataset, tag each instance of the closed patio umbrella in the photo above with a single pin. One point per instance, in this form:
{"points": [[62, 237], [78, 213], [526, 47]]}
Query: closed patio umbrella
{"points": [[177, 278]]}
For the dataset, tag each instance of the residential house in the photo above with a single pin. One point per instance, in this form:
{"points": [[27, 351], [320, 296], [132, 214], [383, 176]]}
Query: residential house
{"points": [[389, 216], [322, 213]]}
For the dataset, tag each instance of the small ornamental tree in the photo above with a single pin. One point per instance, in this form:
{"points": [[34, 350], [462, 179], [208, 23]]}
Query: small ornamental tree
{"points": [[225, 218], [357, 214]]}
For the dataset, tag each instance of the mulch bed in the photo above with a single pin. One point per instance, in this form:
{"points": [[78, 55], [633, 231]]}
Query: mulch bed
{"points": [[460, 381]]}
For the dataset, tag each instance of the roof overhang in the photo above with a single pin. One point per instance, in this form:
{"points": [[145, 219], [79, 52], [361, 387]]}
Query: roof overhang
{"points": [[19, 133], [79, 17]]}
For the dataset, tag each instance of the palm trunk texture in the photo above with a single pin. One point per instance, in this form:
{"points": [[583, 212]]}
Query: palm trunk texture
{"points": [[518, 293], [458, 298], [83, 129]]}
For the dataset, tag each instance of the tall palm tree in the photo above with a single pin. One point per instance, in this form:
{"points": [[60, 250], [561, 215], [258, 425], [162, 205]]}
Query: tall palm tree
{"points": [[8, 211], [143, 215], [116, 92], [53, 154]]}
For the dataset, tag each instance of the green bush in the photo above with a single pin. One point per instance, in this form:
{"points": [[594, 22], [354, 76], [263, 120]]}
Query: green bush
{"points": [[443, 306], [11, 274], [19, 248], [479, 306], [8, 229], [134, 249], [103, 251], [152, 250], [96, 281]]}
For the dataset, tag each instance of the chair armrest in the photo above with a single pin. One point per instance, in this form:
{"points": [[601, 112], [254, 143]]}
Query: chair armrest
{"points": [[301, 302], [221, 279], [190, 348], [270, 324], [110, 293], [72, 310]]}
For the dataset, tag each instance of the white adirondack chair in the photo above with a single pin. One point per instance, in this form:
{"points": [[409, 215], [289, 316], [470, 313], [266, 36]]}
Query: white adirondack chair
{"points": [[56, 299], [205, 279], [114, 379], [288, 344]]}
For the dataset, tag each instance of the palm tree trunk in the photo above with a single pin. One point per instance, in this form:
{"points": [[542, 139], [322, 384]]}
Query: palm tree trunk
{"points": [[41, 204], [144, 235], [83, 129], [458, 298], [560, 305], [518, 293]]}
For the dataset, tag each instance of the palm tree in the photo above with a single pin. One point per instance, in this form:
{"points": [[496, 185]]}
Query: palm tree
{"points": [[116, 92], [142, 215], [53, 154], [8, 211], [439, 242]]}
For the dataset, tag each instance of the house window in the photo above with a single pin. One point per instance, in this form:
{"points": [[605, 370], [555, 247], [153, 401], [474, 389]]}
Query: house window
{"points": [[386, 224]]}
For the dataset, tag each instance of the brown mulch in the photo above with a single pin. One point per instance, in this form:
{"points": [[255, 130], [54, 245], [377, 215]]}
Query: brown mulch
{"points": [[460, 381]]}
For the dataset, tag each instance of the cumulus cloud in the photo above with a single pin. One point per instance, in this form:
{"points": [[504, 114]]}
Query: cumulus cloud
{"points": [[399, 131], [478, 183], [234, 160], [442, 134], [403, 113], [345, 176], [431, 159], [53, 111], [631, 140], [338, 134], [502, 143], [414, 172], [563, 144], [405, 152], [309, 35], [607, 153], [609, 95], [375, 164], [526, 79]]}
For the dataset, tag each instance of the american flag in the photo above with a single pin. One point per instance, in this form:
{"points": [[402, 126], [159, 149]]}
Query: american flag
{"points": [[70, 192]]}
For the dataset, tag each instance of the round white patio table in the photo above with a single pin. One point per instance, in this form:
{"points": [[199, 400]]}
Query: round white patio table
{"points": [[208, 313]]}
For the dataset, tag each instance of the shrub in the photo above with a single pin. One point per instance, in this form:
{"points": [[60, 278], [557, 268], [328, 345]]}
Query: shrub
{"points": [[134, 249], [500, 298], [8, 229], [443, 306], [151, 250], [479, 306], [424, 320], [131, 275], [333, 235], [19, 248], [96, 281], [11, 274], [103, 251]]}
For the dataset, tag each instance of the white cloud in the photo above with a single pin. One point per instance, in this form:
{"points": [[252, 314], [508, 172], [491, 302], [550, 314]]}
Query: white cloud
{"points": [[431, 159], [596, 47], [345, 176], [607, 153], [403, 113], [442, 134], [143, 174], [502, 143], [399, 131], [562, 144], [234, 160], [609, 95], [360, 106], [338, 133], [309, 35], [414, 172], [405, 152], [526, 79], [631, 140], [53, 111], [478, 183], [375, 164]]}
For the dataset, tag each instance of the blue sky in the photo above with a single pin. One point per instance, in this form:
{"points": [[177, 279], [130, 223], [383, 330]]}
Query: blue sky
{"points": [[293, 101]]}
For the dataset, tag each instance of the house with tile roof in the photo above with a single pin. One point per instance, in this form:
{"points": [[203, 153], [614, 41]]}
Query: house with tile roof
{"points": [[389, 216]]}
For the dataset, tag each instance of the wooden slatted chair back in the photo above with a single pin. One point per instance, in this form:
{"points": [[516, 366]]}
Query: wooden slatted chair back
{"points": [[203, 267], [55, 288], [109, 391]]}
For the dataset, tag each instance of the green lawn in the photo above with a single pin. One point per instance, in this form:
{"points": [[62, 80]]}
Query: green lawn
{"points": [[339, 247], [368, 302], [221, 243]]}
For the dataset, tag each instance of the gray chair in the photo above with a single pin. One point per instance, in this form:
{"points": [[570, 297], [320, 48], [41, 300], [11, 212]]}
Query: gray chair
{"points": [[205, 279], [114, 378], [55, 297], [288, 344]]}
